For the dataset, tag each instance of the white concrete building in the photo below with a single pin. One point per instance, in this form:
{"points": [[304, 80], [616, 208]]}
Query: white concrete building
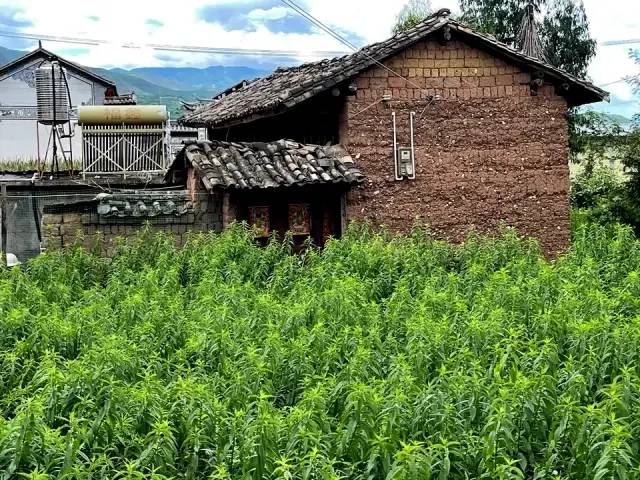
{"points": [[21, 136]]}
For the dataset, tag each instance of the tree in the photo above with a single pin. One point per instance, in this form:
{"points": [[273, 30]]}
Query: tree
{"points": [[634, 80], [631, 158], [591, 136], [501, 18], [411, 14], [565, 33], [564, 28]]}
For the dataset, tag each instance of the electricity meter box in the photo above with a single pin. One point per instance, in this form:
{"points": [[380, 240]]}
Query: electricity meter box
{"points": [[405, 167]]}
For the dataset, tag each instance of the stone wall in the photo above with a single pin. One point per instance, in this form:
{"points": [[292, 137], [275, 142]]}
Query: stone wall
{"points": [[73, 225], [486, 149]]}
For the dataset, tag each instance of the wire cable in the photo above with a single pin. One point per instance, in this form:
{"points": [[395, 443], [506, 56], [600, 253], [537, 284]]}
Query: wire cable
{"points": [[626, 41], [623, 79], [315, 21], [177, 48], [337, 36]]}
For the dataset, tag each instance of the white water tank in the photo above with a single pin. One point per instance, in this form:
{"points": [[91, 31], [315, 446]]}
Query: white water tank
{"points": [[51, 94]]}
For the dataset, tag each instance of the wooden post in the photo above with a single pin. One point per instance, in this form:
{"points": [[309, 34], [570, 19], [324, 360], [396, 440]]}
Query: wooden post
{"points": [[3, 223], [344, 221]]}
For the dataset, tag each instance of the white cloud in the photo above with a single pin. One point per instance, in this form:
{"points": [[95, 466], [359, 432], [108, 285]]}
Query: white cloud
{"points": [[270, 14]]}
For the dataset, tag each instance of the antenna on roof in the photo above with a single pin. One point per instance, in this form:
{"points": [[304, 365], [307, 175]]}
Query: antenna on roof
{"points": [[40, 44], [528, 40]]}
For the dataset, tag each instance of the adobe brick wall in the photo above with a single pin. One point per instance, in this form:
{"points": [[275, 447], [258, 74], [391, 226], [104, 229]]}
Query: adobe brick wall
{"points": [[486, 149], [87, 228]]}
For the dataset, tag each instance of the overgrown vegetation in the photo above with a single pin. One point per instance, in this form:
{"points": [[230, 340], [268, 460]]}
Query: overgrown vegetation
{"points": [[403, 358], [30, 165], [612, 193]]}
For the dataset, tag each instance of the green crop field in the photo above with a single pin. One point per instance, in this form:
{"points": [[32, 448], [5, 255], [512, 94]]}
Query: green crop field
{"points": [[378, 358]]}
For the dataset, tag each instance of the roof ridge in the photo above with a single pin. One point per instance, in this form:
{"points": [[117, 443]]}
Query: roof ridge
{"points": [[289, 86], [68, 63], [540, 62]]}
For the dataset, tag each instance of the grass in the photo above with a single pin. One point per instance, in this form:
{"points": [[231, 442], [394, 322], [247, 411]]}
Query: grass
{"points": [[29, 165], [378, 358]]}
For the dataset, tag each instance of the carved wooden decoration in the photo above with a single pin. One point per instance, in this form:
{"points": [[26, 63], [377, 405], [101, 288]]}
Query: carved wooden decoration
{"points": [[537, 81], [299, 219], [259, 220]]}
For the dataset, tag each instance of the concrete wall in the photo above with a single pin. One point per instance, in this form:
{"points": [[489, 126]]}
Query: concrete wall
{"points": [[486, 149]]}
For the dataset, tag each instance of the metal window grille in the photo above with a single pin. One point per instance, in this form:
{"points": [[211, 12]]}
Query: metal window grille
{"points": [[123, 149]]}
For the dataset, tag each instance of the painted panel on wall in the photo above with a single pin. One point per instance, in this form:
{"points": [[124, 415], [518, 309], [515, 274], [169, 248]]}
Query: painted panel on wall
{"points": [[19, 88]]}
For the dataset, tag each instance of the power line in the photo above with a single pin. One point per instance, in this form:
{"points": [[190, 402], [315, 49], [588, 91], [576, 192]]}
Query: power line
{"points": [[620, 42], [623, 79], [51, 38], [337, 36], [318, 23], [177, 48]]}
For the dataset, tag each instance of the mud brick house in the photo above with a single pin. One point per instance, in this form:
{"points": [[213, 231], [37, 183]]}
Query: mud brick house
{"points": [[450, 127]]}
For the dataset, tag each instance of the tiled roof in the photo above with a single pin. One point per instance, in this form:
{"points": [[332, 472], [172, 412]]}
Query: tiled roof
{"points": [[124, 99], [230, 165], [287, 87]]}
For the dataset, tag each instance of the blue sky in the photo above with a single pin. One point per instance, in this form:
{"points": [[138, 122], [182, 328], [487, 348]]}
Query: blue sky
{"points": [[249, 16], [267, 24]]}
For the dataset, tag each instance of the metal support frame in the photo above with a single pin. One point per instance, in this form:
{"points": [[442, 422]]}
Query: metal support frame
{"points": [[395, 148], [413, 150]]}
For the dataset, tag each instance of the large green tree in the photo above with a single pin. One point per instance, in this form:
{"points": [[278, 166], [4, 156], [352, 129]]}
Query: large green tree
{"points": [[564, 29], [411, 14], [592, 135], [631, 158]]}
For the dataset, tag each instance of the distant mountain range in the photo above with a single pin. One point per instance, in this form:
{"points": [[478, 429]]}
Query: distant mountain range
{"points": [[170, 85], [7, 55], [166, 85]]}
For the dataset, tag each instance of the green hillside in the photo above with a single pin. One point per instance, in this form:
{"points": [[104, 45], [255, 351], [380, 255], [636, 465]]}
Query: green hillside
{"points": [[210, 79], [166, 85], [7, 55]]}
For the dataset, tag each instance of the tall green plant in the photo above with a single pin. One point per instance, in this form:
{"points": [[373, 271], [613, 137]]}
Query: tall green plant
{"points": [[378, 357]]}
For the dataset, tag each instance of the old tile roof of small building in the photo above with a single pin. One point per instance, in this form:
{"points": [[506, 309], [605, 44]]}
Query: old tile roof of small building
{"points": [[248, 165], [287, 87]]}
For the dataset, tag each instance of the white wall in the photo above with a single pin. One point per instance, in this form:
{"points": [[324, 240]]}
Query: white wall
{"points": [[23, 138]]}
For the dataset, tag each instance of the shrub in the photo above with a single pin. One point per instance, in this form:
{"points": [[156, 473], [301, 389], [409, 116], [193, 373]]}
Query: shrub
{"points": [[378, 357], [590, 188]]}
